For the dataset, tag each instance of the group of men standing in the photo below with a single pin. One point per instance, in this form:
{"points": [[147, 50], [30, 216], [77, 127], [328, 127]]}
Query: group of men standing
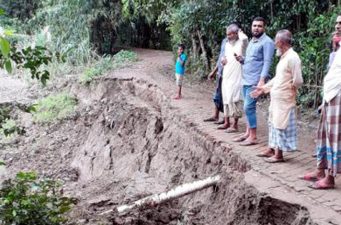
{"points": [[243, 69]]}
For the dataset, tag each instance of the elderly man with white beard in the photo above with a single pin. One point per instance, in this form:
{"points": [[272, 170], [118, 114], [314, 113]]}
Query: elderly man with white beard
{"points": [[283, 89], [232, 77]]}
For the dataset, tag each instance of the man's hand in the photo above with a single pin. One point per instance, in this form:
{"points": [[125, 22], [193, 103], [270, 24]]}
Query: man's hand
{"points": [[224, 61], [211, 76], [261, 82], [239, 58], [319, 109], [257, 92]]}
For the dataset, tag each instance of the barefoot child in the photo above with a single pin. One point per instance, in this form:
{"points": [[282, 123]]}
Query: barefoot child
{"points": [[180, 69]]}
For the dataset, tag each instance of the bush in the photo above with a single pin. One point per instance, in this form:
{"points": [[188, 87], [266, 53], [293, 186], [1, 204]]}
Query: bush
{"points": [[4, 114], [99, 68], [54, 107], [9, 127], [124, 56], [29, 201], [105, 64]]}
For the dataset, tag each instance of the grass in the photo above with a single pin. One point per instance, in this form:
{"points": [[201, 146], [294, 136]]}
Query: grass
{"points": [[9, 127], [54, 107], [105, 64]]}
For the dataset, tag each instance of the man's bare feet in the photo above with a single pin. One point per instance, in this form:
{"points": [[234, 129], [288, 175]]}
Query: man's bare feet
{"points": [[177, 97]]}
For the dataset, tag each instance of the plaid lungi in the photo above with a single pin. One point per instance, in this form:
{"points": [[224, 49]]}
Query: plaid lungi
{"points": [[329, 136], [217, 96], [284, 139]]}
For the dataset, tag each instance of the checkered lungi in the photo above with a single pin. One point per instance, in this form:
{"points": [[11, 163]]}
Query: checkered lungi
{"points": [[284, 139], [329, 136], [217, 96]]}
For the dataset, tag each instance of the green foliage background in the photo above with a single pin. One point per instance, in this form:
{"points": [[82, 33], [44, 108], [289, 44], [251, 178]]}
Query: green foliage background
{"points": [[27, 200], [82, 29]]}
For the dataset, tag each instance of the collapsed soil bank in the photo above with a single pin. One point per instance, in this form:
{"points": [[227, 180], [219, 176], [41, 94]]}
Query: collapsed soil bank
{"points": [[125, 142]]}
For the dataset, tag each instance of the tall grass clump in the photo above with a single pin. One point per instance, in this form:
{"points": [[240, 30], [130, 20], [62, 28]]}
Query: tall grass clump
{"points": [[105, 64], [54, 107]]}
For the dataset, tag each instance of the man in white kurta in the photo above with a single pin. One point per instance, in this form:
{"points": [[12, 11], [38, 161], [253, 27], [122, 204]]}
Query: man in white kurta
{"points": [[283, 88], [232, 77]]}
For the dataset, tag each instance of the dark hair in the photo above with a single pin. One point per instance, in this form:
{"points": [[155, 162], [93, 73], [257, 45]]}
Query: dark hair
{"points": [[259, 18], [181, 46]]}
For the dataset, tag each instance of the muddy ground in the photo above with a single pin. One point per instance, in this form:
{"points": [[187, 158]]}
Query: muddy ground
{"points": [[128, 139]]}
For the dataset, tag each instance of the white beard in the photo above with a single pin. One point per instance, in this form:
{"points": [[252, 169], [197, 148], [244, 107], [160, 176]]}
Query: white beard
{"points": [[232, 42], [279, 52]]}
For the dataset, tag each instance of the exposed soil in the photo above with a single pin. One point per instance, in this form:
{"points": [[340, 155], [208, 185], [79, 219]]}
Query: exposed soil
{"points": [[126, 141]]}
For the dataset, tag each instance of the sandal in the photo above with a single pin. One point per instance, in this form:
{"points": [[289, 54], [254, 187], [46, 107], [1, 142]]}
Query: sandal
{"points": [[231, 130], [274, 160], [211, 119], [308, 177], [318, 186], [222, 127], [248, 143], [265, 155], [219, 122], [239, 139]]}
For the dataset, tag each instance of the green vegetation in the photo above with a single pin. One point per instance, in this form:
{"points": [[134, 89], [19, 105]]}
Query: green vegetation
{"points": [[26, 200], [4, 114], [82, 30], [54, 107], [105, 64], [123, 57], [7, 125], [31, 58]]}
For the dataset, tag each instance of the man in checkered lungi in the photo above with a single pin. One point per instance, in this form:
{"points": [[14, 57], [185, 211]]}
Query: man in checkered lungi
{"points": [[283, 88], [329, 132]]}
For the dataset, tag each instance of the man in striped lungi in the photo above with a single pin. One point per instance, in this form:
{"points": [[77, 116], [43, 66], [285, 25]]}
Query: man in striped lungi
{"points": [[283, 89], [329, 132]]}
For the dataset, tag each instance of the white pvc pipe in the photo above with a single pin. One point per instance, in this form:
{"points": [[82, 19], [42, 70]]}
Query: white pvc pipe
{"points": [[174, 193]]}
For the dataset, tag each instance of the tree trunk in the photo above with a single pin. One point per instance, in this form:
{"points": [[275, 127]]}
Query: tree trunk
{"points": [[175, 193], [194, 46], [203, 49], [272, 10]]}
